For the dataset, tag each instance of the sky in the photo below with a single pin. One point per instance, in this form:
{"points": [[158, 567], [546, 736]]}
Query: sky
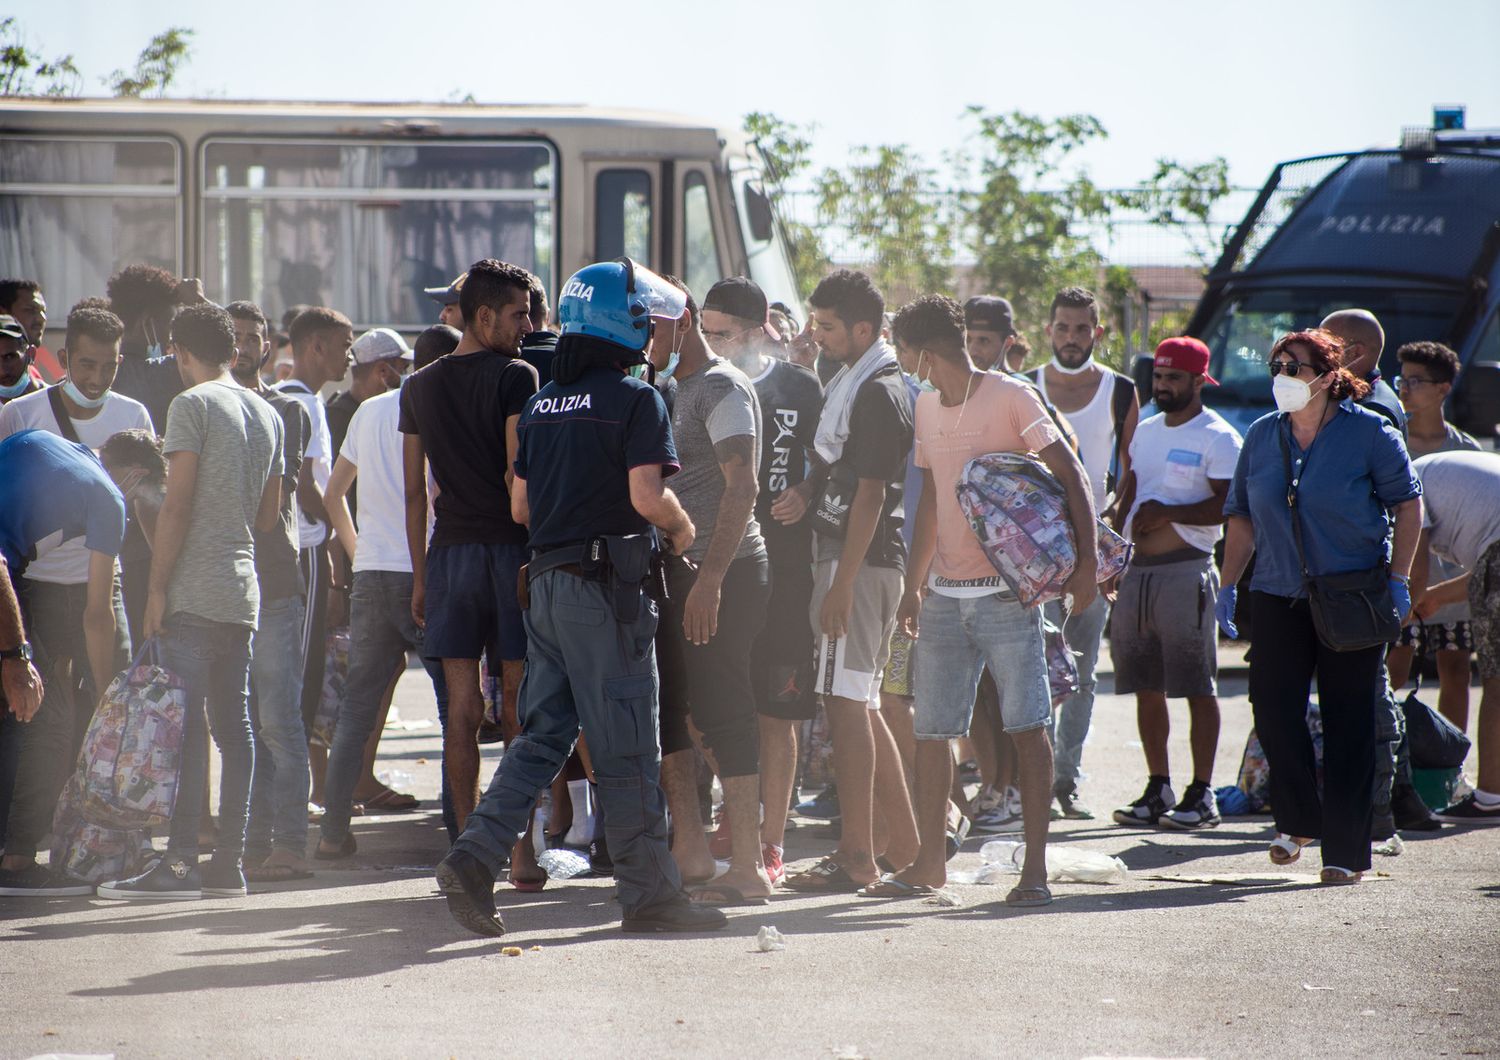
{"points": [[1255, 83]]}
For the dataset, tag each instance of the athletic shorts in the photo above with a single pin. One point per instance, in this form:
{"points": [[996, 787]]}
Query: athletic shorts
{"points": [[1429, 638], [1162, 635], [850, 667], [471, 604], [900, 671], [1484, 611], [781, 661]]}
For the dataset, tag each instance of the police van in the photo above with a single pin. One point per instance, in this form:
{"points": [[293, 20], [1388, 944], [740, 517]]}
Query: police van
{"points": [[1410, 233], [361, 206]]}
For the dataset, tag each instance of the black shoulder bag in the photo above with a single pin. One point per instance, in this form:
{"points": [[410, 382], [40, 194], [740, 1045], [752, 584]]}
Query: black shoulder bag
{"points": [[1352, 611], [60, 413]]}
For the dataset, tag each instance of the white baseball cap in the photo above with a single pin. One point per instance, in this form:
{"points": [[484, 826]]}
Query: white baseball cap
{"points": [[380, 344]]}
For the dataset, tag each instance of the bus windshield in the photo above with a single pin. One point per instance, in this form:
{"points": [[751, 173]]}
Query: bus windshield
{"points": [[1243, 329]]}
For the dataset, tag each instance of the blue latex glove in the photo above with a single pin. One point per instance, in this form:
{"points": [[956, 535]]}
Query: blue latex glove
{"points": [[1401, 595], [1224, 611]]}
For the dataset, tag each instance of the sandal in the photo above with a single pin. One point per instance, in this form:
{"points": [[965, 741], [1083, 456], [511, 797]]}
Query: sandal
{"points": [[280, 873], [1286, 849], [721, 894], [1028, 896], [388, 801], [891, 887], [1332, 874], [826, 877]]}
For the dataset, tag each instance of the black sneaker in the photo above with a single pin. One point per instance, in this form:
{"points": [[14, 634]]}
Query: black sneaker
{"points": [[39, 881], [1072, 810], [1410, 812], [1147, 810], [1468, 810], [600, 863], [822, 807], [169, 879], [1199, 808], [470, 890], [674, 915], [223, 879]]}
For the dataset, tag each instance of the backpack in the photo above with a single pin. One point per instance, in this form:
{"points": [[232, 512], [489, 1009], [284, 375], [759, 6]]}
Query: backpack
{"points": [[128, 765], [1020, 515]]}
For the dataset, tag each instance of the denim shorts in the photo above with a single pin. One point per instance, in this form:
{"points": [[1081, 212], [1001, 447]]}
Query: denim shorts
{"points": [[471, 605], [958, 638]]}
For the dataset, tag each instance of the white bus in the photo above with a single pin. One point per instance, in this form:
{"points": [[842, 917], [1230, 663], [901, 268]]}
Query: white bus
{"points": [[360, 206]]}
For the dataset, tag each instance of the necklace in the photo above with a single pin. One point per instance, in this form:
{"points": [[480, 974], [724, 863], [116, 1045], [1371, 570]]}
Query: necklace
{"points": [[963, 405]]}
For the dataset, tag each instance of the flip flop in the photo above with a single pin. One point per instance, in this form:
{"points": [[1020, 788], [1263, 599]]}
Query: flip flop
{"points": [[721, 894], [890, 887], [529, 886], [346, 850], [1025, 897], [826, 877], [389, 801], [276, 873]]}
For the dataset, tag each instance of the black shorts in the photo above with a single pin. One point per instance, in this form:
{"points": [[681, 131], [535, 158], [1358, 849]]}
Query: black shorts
{"points": [[782, 659]]}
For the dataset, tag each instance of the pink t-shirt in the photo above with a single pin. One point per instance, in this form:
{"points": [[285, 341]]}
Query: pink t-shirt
{"points": [[1001, 416]]}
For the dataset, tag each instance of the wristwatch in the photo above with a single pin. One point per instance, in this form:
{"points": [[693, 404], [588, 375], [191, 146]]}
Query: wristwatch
{"points": [[23, 652]]}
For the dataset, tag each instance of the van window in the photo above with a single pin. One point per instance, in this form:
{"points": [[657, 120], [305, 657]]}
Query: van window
{"points": [[700, 249], [622, 215], [1488, 347], [74, 210], [364, 226]]}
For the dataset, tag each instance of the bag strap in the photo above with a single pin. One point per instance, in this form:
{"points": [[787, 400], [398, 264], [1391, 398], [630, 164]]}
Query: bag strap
{"points": [[60, 411]]}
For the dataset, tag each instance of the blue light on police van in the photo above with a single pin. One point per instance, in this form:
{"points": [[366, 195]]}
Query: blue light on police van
{"points": [[1447, 116]]}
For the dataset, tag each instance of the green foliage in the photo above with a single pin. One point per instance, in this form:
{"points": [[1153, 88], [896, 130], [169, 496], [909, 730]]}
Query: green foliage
{"points": [[157, 65], [785, 148], [891, 205], [1025, 236], [1183, 196], [25, 72]]}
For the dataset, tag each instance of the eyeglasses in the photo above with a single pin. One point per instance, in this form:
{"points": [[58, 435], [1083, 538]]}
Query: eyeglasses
{"points": [[1408, 382], [725, 336], [1286, 367]]}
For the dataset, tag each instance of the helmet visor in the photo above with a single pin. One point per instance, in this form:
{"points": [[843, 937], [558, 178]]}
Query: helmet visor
{"points": [[662, 298]]}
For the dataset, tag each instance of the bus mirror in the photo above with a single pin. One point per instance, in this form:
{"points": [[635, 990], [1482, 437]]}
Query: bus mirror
{"points": [[1476, 405], [1144, 364], [758, 212]]}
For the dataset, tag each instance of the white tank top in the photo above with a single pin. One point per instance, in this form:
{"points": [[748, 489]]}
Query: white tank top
{"points": [[1095, 426]]}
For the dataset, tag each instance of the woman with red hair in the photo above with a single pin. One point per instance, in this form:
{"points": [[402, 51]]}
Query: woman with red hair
{"points": [[1343, 474]]}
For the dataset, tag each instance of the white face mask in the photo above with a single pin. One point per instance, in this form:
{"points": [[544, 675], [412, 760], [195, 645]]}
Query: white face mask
{"points": [[1065, 370], [1291, 394], [79, 398]]}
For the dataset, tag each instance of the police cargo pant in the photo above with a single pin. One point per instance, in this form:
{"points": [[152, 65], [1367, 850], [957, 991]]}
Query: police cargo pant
{"points": [[585, 668]]}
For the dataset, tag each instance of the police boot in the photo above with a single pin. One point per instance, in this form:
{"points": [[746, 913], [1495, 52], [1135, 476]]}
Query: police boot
{"points": [[470, 890], [675, 914]]}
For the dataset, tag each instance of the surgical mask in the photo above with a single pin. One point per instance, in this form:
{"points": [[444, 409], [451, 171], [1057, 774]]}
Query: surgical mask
{"points": [[16, 389], [154, 352], [79, 398], [1065, 370], [666, 373], [1291, 394]]}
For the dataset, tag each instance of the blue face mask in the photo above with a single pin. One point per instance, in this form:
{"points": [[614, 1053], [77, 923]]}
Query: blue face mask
{"points": [[153, 352], [82, 400], [16, 389], [666, 373]]}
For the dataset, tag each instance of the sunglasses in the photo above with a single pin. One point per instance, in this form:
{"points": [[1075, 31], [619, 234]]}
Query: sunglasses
{"points": [[1286, 367]]}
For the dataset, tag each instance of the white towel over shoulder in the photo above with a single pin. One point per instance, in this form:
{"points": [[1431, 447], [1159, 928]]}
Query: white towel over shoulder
{"points": [[838, 402]]}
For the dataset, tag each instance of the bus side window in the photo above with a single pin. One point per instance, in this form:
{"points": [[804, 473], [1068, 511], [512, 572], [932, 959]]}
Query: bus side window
{"points": [[622, 215], [700, 249]]}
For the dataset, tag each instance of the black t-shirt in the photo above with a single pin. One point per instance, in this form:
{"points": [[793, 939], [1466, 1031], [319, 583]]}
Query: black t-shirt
{"points": [[790, 400], [537, 349], [1383, 399], [276, 549], [152, 383], [578, 444], [341, 409], [458, 404], [880, 438]]}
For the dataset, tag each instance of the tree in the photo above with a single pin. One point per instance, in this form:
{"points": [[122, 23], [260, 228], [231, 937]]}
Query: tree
{"points": [[24, 72], [785, 148], [1183, 197], [1028, 240], [157, 65]]}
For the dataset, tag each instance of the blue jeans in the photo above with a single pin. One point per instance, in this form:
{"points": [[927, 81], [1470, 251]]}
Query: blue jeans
{"points": [[1084, 630], [381, 630], [213, 661], [959, 638], [278, 793], [585, 666]]}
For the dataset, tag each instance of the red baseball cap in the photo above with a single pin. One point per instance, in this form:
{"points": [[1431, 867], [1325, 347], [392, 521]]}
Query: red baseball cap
{"points": [[1185, 354]]}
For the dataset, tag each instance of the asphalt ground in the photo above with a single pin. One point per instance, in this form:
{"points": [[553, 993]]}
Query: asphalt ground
{"points": [[1207, 951]]}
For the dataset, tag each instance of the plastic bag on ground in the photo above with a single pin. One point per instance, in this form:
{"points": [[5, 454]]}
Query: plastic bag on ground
{"points": [[561, 863], [768, 940], [1003, 857]]}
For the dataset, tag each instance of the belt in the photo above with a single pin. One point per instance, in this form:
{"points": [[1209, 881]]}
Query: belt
{"points": [[567, 560]]}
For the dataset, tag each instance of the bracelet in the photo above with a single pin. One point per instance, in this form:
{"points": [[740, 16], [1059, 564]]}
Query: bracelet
{"points": [[1402, 578]]}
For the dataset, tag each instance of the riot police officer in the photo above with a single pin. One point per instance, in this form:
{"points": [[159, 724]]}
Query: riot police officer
{"points": [[595, 445]]}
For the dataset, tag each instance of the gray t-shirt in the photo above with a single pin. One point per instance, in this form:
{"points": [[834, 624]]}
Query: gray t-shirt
{"points": [[714, 403], [238, 439], [1460, 503]]}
